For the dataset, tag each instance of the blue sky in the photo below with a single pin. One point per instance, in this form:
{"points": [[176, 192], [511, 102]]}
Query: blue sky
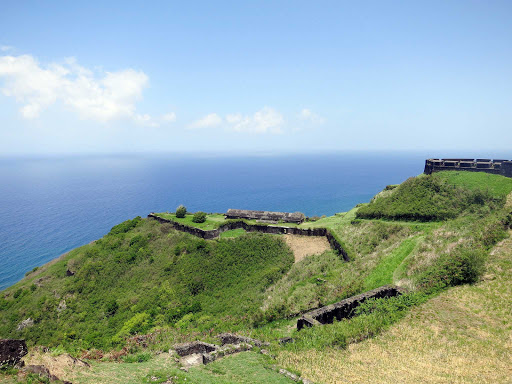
{"points": [[255, 76]]}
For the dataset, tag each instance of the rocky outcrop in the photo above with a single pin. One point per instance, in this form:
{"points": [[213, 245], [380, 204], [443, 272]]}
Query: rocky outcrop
{"points": [[27, 323], [345, 308], [11, 351]]}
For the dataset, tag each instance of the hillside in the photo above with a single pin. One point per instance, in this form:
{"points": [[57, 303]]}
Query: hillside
{"points": [[144, 279]]}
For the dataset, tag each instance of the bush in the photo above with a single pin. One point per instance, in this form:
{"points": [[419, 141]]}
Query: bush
{"points": [[199, 217], [462, 266], [181, 211]]}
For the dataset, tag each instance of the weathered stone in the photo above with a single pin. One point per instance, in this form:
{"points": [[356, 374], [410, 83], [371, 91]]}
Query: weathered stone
{"points": [[194, 347], [192, 360], [11, 351], [345, 308], [289, 375], [231, 338], [27, 323], [228, 349], [62, 306], [286, 340], [497, 167]]}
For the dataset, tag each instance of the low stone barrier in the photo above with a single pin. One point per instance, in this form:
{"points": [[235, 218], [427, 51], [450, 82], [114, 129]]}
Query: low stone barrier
{"points": [[269, 229], [11, 351], [345, 308]]}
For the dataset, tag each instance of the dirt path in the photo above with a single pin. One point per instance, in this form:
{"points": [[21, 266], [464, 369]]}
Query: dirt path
{"points": [[303, 246]]}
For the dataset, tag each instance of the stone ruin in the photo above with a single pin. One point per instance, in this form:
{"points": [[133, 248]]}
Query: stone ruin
{"points": [[345, 308], [11, 351]]}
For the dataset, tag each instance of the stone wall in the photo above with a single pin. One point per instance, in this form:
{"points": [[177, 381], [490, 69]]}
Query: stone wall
{"points": [[345, 309], [269, 229], [11, 351], [497, 167]]}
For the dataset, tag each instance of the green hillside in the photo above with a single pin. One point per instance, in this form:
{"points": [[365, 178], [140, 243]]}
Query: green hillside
{"points": [[145, 279], [139, 276]]}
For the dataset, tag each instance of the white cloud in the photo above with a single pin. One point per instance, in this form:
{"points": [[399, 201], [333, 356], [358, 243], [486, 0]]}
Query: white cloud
{"points": [[169, 117], [102, 96], [308, 115], [5, 48], [211, 120], [265, 120]]}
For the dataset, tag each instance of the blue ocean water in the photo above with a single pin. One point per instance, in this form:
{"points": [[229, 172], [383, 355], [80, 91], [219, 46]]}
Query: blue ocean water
{"points": [[49, 206]]}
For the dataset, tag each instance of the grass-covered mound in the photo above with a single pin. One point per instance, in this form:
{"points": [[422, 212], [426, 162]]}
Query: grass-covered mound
{"points": [[141, 275], [436, 197]]}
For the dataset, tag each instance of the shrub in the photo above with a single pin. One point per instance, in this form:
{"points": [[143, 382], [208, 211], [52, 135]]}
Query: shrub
{"points": [[199, 217], [464, 265], [181, 211]]}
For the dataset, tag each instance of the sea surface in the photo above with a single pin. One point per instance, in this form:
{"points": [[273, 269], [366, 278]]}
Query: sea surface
{"points": [[49, 206]]}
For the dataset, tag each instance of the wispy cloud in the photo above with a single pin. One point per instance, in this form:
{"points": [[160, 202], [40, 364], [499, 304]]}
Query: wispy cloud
{"points": [[5, 48], [97, 96], [266, 120], [309, 116], [208, 121]]}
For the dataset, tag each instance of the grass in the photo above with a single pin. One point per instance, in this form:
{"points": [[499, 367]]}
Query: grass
{"points": [[247, 367], [144, 275], [462, 335], [497, 185], [383, 273], [432, 198], [232, 233], [213, 220]]}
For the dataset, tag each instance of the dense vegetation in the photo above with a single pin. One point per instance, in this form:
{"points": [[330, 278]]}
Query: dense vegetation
{"points": [[139, 276], [430, 198], [146, 278]]}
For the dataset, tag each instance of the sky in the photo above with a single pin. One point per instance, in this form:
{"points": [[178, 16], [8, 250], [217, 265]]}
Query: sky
{"points": [[255, 76]]}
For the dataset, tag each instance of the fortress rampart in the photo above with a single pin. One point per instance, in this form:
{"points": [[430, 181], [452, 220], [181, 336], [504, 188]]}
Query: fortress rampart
{"points": [[497, 167], [275, 230]]}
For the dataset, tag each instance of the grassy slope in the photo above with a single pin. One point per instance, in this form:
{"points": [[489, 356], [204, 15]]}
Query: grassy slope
{"points": [[497, 185], [440, 196], [463, 335], [384, 252], [149, 276], [244, 368]]}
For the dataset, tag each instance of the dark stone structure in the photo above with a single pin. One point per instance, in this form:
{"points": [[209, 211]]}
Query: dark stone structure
{"points": [[270, 229], [11, 351], [345, 308], [497, 167], [194, 347], [287, 217]]}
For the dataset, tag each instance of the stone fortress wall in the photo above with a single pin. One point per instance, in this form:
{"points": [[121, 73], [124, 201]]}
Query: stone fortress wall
{"points": [[497, 167], [275, 230]]}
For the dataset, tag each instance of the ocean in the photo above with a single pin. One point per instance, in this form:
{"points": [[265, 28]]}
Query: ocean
{"points": [[49, 206]]}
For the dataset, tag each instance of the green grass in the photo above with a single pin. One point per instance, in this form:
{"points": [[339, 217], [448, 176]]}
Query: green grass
{"points": [[233, 233], [432, 198], [383, 273], [213, 221], [143, 275], [497, 185]]}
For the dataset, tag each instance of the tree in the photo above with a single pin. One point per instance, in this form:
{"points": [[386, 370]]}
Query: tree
{"points": [[199, 217], [181, 211]]}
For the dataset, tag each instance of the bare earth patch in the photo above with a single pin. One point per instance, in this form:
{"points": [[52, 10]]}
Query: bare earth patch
{"points": [[303, 246]]}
